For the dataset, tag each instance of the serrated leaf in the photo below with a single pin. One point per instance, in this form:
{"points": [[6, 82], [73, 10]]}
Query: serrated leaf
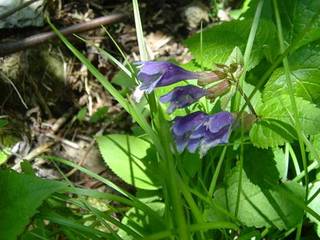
{"points": [[276, 126], [21, 195], [281, 163], [307, 56], [258, 207], [271, 133], [297, 16], [219, 41], [280, 108], [305, 83], [260, 166], [131, 158]]}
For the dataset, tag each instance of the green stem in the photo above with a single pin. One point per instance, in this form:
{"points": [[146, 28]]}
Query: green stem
{"points": [[193, 206], [240, 173], [216, 172], [172, 182], [292, 98], [248, 50], [294, 160], [311, 167], [177, 205]]}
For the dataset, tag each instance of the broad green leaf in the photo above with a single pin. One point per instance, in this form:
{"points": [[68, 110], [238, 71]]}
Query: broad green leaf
{"points": [[307, 56], [296, 18], [305, 83], [305, 74], [191, 163], [315, 204], [220, 40], [260, 166], [276, 126], [315, 140], [21, 195], [271, 133], [131, 158], [258, 207], [141, 222], [281, 163]]}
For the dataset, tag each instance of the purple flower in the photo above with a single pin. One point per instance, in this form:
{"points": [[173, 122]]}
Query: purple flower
{"points": [[199, 130], [183, 127], [158, 74], [184, 96], [215, 130]]}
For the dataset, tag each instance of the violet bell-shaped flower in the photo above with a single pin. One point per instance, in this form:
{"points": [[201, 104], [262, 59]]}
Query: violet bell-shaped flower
{"points": [[183, 127], [199, 130], [182, 96], [154, 74], [215, 130], [157, 74]]}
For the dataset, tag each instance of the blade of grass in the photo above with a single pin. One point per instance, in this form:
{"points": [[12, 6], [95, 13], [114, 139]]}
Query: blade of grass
{"points": [[136, 201], [144, 56], [214, 179], [172, 181], [128, 106], [126, 61]]}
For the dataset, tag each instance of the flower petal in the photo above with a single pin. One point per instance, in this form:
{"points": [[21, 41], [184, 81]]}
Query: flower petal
{"points": [[219, 120], [188, 123], [183, 96]]}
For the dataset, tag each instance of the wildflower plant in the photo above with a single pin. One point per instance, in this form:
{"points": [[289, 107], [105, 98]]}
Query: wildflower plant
{"points": [[198, 129], [222, 148]]}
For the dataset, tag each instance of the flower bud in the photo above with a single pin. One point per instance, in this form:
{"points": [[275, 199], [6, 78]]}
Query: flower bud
{"points": [[205, 78], [219, 89]]}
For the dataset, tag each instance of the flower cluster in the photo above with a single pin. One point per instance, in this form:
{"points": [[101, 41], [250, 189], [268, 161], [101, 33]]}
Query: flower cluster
{"points": [[197, 130]]}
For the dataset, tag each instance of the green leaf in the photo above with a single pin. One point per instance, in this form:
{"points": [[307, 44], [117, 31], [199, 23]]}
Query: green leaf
{"points": [[131, 158], [21, 195], [219, 41], [191, 163], [296, 18], [123, 80], [271, 133], [281, 163], [305, 73], [142, 222], [82, 114], [307, 56], [99, 115], [315, 203], [258, 207], [260, 166], [3, 123], [305, 83], [276, 126], [3, 157]]}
